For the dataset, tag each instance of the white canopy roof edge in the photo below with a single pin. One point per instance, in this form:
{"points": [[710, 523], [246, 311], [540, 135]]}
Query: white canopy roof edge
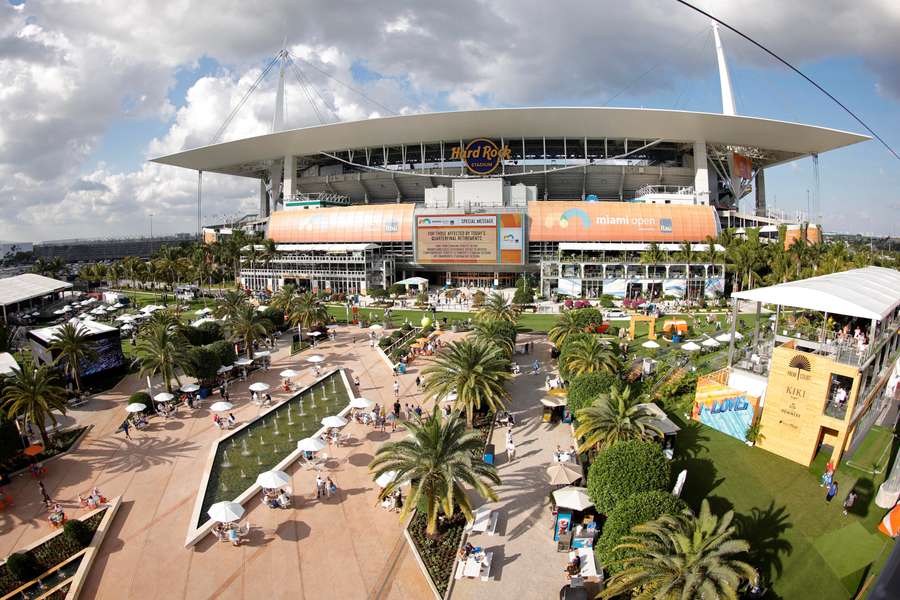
{"points": [[868, 293]]}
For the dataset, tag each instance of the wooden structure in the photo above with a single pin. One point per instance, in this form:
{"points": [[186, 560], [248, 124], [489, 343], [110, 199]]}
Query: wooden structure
{"points": [[651, 334]]}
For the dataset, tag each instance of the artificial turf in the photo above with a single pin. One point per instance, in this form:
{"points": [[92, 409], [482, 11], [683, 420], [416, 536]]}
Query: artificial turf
{"points": [[803, 546]]}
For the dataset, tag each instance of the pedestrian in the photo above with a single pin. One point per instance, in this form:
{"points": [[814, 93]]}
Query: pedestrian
{"points": [[510, 450], [418, 411], [46, 497], [356, 381], [418, 383], [331, 487], [268, 398], [126, 426], [848, 501], [396, 388], [397, 409], [320, 486], [832, 491], [227, 395], [254, 397]]}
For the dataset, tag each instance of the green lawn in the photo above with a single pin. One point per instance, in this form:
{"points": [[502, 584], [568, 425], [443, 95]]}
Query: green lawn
{"points": [[801, 544]]}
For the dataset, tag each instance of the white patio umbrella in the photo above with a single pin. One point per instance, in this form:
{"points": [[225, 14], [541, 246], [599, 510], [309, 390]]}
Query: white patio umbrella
{"points": [[315, 333], [118, 305], [376, 327], [563, 474], [288, 373], [203, 311], [384, 479], [136, 407], [164, 397], [125, 318], [361, 403], [273, 479], [261, 354], [225, 512], [725, 337], [311, 444], [259, 386], [59, 312], [261, 308], [553, 401], [243, 362], [650, 344], [690, 347], [221, 406], [738, 335], [190, 388], [572, 497], [224, 369], [315, 358], [710, 343], [334, 421]]}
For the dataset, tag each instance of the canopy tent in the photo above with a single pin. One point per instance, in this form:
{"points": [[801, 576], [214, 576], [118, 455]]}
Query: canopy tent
{"points": [[413, 281], [675, 325], [573, 497], [563, 474], [691, 347]]}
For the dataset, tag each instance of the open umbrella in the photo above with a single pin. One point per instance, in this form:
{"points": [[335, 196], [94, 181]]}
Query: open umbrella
{"points": [[288, 373], [164, 397], [563, 474], [650, 344], [224, 369], [710, 343], [311, 444], [221, 406], [315, 333], [259, 386], [127, 327], [691, 347], [385, 478], [361, 403], [136, 407], [334, 421], [315, 358], [572, 497], [725, 337], [376, 327], [738, 335], [118, 305], [225, 512], [204, 311], [273, 479], [243, 362], [553, 401], [33, 450], [261, 354], [190, 388]]}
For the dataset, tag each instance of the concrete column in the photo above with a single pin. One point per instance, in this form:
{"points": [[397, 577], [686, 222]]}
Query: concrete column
{"points": [[760, 189], [263, 198], [734, 319], [701, 173], [290, 176]]}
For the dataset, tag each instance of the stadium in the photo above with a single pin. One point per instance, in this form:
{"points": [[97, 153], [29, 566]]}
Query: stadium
{"points": [[573, 196]]}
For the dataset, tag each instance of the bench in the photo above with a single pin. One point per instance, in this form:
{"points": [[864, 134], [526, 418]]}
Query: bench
{"points": [[492, 526]]}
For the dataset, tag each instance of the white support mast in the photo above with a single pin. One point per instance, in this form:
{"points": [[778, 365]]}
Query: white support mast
{"points": [[724, 78], [278, 117]]}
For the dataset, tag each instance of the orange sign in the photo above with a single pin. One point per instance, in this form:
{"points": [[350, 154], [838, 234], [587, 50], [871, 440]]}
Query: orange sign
{"points": [[383, 223]]}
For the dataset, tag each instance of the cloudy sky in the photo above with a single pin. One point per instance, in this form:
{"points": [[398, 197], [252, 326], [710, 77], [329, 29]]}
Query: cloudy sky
{"points": [[91, 89]]}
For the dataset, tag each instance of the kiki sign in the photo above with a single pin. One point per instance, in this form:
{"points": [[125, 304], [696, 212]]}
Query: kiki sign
{"points": [[481, 156]]}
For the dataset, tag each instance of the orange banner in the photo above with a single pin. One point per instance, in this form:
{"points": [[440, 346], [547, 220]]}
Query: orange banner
{"points": [[365, 223]]}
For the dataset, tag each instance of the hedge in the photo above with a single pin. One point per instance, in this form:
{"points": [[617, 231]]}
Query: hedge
{"points": [[224, 350], [625, 469], [640, 508], [203, 363], [585, 388], [203, 334]]}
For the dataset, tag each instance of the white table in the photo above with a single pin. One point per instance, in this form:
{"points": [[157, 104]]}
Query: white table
{"points": [[563, 457], [478, 566], [482, 520], [588, 566]]}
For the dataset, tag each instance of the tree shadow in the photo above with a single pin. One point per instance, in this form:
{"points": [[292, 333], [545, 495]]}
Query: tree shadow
{"points": [[865, 491], [764, 530], [701, 479], [138, 454], [689, 443]]}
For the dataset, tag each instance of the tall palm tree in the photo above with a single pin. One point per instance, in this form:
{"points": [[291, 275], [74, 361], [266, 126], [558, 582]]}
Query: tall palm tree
{"points": [[73, 345], [589, 355], [160, 350], [474, 370], [687, 255], [247, 326], [306, 311], [654, 255], [566, 324], [614, 417], [501, 334], [437, 458], [34, 393], [495, 307], [283, 299], [684, 557], [232, 302]]}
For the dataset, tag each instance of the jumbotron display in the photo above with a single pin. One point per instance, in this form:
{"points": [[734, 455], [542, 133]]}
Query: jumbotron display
{"points": [[472, 239]]}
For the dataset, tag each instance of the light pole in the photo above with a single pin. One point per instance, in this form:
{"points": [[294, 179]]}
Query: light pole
{"points": [[151, 234]]}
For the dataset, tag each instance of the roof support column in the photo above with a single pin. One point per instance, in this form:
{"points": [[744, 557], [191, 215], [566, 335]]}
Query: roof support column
{"points": [[290, 176], [734, 318], [701, 173], [760, 192], [263, 197]]}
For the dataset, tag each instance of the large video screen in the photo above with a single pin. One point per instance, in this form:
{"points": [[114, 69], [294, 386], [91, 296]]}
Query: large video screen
{"points": [[473, 239]]}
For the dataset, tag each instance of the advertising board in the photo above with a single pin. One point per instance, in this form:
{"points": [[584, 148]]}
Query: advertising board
{"points": [[474, 239]]}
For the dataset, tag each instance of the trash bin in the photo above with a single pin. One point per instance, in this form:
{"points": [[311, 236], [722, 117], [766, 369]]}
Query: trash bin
{"points": [[489, 454]]}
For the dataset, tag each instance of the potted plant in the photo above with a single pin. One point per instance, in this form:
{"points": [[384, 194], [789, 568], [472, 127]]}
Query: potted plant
{"points": [[753, 434]]}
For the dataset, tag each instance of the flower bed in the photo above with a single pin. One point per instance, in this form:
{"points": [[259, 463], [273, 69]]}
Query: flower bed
{"points": [[438, 554], [63, 441], [49, 554]]}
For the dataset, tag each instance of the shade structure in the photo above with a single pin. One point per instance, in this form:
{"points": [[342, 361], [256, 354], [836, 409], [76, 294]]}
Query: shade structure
{"points": [[288, 373], [204, 311], [118, 305], [553, 401], [334, 421], [726, 337], [311, 444], [273, 479], [385, 478], [190, 388], [315, 358], [225, 512], [224, 369], [315, 333], [738, 335], [261, 354], [361, 403], [136, 407], [127, 327], [572, 497], [261, 308], [376, 327], [259, 386], [650, 344], [562, 474], [59, 312], [221, 406], [691, 347], [125, 318], [164, 397], [243, 362], [33, 450], [710, 343]]}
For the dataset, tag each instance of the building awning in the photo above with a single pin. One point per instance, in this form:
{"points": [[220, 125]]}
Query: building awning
{"points": [[335, 248], [413, 281], [89, 328], [629, 246], [29, 286], [659, 419], [868, 293]]}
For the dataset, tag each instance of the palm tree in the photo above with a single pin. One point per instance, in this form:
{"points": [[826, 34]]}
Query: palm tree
{"points": [[683, 557], [495, 307], [614, 417], [437, 458], [160, 349], [306, 311], [72, 342], [474, 370], [501, 334], [654, 255], [34, 393], [283, 299], [687, 255], [567, 324], [247, 326], [232, 302], [589, 355]]}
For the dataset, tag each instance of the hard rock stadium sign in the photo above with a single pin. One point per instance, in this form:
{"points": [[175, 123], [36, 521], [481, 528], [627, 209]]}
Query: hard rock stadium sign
{"points": [[481, 156]]}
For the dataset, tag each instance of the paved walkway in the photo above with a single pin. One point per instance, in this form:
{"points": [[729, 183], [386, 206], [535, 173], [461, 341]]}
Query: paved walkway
{"points": [[525, 563], [343, 547]]}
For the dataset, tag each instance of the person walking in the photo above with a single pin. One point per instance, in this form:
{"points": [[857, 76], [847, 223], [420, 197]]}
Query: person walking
{"points": [[832, 491], [46, 497], [320, 486], [418, 383], [396, 388], [849, 501], [510, 450], [126, 426], [330, 487]]}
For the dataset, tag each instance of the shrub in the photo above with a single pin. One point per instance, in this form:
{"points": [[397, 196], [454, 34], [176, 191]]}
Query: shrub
{"points": [[585, 388], [143, 398], [203, 363], [78, 532], [421, 299], [225, 351], [378, 292], [274, 316], [398, 289], [625, 469], [23, 566], [478, 299], [606, 301], [203, 334], [588, 316], [640, 508]]}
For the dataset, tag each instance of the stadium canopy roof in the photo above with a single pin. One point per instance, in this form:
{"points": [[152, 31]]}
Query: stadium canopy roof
{"points": [[48, 334], [7, 363], [27, 286], [788, 140], [869, 293], [337, 248]]}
